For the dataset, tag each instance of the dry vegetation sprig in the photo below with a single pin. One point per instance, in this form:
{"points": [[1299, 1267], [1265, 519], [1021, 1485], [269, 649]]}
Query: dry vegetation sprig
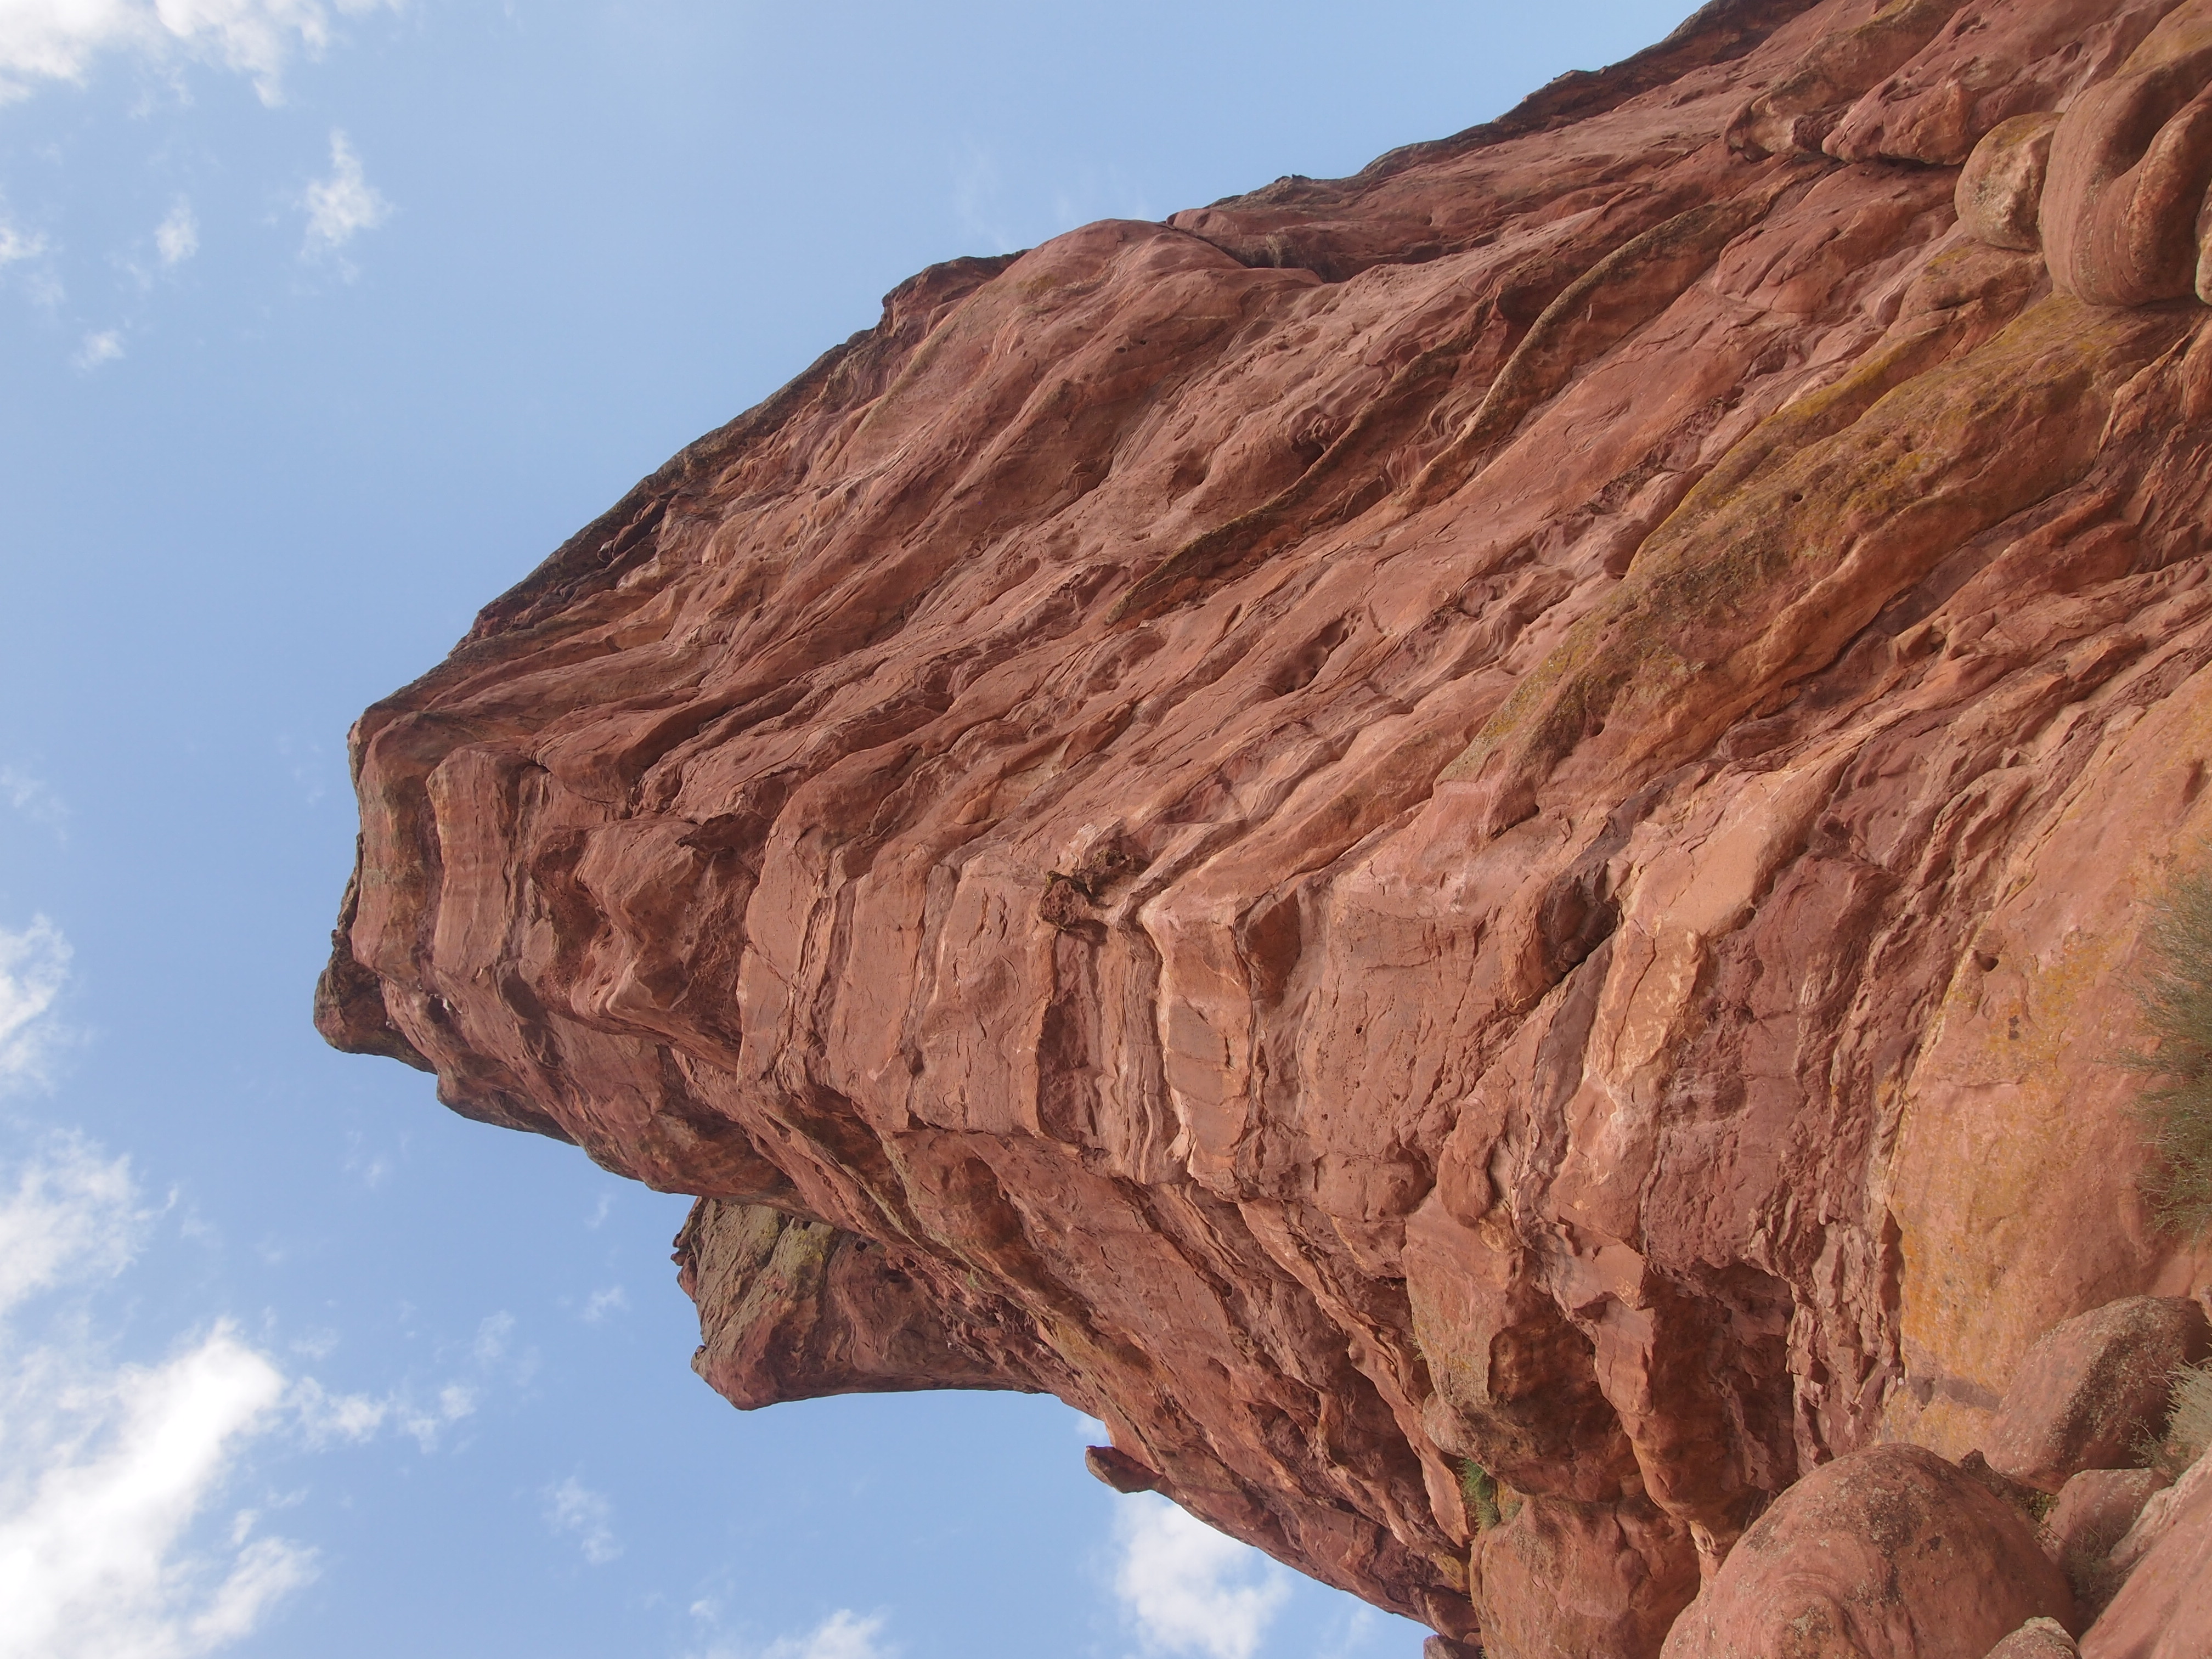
{"points": [[2189, 1429], [2174, 989]]}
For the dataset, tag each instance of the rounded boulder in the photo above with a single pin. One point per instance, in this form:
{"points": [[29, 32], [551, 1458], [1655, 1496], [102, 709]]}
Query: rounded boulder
{"points": [[1890, 1552]]}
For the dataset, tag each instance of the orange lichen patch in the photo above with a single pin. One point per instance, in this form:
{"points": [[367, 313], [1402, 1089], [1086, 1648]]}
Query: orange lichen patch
{"points": [[2014, 1144]]}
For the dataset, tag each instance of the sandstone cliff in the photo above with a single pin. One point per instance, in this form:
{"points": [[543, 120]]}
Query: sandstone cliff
{"points": [[1459, 845]]}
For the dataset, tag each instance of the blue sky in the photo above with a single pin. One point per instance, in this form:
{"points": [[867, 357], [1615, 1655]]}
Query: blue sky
{"points": [[322, 321]]}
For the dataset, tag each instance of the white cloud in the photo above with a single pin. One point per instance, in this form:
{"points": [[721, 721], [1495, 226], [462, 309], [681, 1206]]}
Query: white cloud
{"points": [[843, 1635], [1189, 1589], [976, 188], [493, 1333], [373, 1167], [16, 244], [31, 796], [177, 238], [574, 1507], [70, 1215], [105, 1469], [455, 1401], [32, 965], [43, 40], [103, 347], [339, 207], [600, 1304], [325, 1417]]}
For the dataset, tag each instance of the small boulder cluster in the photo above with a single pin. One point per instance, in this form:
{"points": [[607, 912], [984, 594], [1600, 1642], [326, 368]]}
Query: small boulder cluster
{"points": [[2082, 1527]]}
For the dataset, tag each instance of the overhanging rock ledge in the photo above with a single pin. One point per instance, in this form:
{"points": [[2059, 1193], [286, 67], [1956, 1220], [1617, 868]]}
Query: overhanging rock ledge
{"points": [[1459, 845]]}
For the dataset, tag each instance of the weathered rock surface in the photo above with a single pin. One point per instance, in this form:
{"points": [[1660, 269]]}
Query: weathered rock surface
{"points": [[1886, 1554], [2094, 1512], [1488, 814], [2094, 1389], [2164, 1610], [2038, 1639]]}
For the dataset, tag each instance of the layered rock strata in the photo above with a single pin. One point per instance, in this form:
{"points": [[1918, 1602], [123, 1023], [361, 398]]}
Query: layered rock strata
{"points": [[1459, 845]]}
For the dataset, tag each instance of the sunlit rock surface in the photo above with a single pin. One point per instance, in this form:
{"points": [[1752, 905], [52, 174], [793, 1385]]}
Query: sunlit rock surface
{"points": [[1459, 845]]}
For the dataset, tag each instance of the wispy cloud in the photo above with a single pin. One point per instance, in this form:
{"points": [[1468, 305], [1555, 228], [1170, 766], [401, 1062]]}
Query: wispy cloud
{"points": [[50, 41], [340, 207], [843, 1635], [982, 203], [325, 1417], [977, 189], [572, 1507], [70, 1216], [495, 1335], [34, 963], [1190, 1590], [177, 238], [17, 243], [35, 800], [106, 1469], [103, 347], [425, 1415], [600, 1304]]}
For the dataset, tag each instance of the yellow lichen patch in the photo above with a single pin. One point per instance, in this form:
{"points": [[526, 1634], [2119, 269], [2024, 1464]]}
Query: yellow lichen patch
{"points": [[2017, 1142]]}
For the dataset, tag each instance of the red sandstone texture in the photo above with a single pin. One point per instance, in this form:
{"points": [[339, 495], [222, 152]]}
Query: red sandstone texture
{"points": [[1460, 844], [1890, 1552]]}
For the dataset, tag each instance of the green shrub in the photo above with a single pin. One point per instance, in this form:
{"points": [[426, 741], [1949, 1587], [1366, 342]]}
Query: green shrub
{"points": [[1479, 1488], [1488, 1503], [2175, 990]]}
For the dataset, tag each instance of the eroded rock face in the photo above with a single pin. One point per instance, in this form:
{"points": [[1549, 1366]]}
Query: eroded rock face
{"points": [[2093, 1390], [2038, 1639], [2164, 1610], [2095, 1511], [1480, 824]]}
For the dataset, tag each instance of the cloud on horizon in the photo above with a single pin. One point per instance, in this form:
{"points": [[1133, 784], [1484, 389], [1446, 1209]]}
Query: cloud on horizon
{"points": [[1190, 1590]]}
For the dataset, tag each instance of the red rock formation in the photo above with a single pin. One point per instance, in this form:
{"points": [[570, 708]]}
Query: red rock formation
{"points": [[1458, 844], [1890, 1553], [2164, 1610], [2095, 1511], [2094, 1390], [2038, 1639]]}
